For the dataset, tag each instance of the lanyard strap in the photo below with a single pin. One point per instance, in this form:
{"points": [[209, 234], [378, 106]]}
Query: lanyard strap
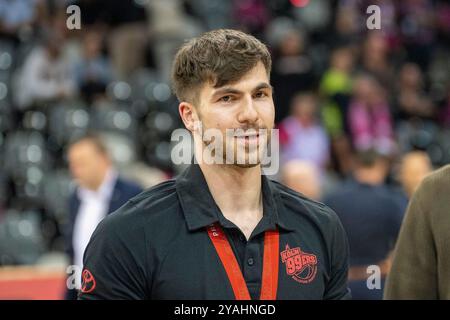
{"points": [[270, 263]]}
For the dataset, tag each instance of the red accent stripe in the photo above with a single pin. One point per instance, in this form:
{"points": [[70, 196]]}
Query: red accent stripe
{"points": [[270, 264], [229, 262]]}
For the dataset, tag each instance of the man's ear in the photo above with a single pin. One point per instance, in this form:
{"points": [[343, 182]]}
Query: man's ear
{"points": [[188, 115]]}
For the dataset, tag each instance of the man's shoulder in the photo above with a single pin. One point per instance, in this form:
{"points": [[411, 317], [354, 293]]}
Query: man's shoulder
{"points": [[434, 187], [152, 204], [299, 204], [438, 178]]}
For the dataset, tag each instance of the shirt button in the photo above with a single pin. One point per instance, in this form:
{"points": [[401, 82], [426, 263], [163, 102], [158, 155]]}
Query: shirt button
{"points": [[242, 238], [250, 261]]}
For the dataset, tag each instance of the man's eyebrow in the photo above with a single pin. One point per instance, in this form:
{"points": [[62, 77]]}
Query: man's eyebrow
{"points": [[225, 90], [263, 85], [230, 90]]}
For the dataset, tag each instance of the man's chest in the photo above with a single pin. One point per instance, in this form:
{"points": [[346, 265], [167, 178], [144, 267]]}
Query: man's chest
{"points": [[195, 271]]}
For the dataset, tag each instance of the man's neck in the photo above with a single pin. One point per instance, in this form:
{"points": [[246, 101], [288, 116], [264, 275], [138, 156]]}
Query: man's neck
{"points": [[237, 192]]}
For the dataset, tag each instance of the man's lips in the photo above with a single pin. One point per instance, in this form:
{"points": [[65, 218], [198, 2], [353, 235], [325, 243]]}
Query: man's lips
{"points": [[249, 133], [256, 135], [248, 138]]}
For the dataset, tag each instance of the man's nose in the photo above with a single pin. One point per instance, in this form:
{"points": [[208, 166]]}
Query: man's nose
{"points": [[248, 112]]}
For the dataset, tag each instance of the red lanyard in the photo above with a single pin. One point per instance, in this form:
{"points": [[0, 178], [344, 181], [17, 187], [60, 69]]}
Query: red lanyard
{"points": [[270, 264]]}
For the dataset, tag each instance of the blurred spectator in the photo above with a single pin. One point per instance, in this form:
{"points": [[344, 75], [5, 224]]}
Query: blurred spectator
{"points": [[414, 167], [336, 86], [301, 135], [443, 22], [411, 98], [128, 37], [46, 75], [17, 16], [93, 71], [346, 25], [388, 22], [314, 16], [303, 177], [170, 26], [292, 70], [369, 117], [371, 216], [100, 191], [125, 23], [417, 20], [251, 16], [375, 58]]}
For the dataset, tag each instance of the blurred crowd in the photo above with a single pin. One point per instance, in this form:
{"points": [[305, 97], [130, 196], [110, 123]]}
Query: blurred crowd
{"points": [[363, 114]]}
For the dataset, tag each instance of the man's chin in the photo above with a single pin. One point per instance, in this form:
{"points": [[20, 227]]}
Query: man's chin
{"points": [[244, 163]]}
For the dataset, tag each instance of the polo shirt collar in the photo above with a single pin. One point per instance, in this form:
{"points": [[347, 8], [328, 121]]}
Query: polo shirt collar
{"points": [[200, 209]]}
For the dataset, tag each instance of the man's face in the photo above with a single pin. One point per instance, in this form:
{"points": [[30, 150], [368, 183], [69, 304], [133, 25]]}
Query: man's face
{"points": [[87, 164], [247, 105]]}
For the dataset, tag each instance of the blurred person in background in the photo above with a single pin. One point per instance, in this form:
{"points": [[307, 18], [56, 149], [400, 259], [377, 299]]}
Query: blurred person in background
{"points": [[375, 58], [93, 71], [414, 167], [46, 75], [303, 177], [346, 27], [418, 21], [336, 89], [251, 16], [17, 17], [302, 137], [369, 117], [371, 216], [421, 260], [125, 26], [128, 35], [170, 25], [100, 191], [411, 98], [292, 70]]}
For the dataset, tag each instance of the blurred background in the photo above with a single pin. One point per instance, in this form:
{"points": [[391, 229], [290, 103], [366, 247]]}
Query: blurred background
{"points": [[356, 108]]}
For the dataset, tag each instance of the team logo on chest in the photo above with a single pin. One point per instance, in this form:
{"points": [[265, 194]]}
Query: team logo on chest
{"points": [[301, 266]]}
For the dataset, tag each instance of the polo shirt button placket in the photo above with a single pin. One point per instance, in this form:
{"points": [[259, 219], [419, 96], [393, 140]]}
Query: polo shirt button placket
{"points": [[250, 262]]}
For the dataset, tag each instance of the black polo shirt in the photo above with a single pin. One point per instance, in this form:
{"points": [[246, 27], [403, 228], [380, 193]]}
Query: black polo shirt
{"points": [[156, 246]]}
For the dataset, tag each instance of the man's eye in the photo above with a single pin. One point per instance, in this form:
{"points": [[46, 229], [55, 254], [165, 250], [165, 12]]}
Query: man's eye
{"points": [[260, 94], [226, 99]]}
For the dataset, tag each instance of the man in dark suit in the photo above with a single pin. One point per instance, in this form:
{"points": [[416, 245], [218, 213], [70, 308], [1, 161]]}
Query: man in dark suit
{"points": [[99, 192]]}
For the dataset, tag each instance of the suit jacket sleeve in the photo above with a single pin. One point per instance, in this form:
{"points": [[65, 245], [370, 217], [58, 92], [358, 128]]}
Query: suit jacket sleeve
{"points": [[413, 274]]}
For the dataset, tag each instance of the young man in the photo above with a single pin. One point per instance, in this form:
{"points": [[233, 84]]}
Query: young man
{"points": [[220, 230]]}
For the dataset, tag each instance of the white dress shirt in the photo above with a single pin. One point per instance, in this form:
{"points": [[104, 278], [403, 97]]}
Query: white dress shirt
{"points": [[93, 208]]}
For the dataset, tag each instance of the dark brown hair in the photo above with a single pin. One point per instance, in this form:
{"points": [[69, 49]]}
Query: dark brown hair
{"points": [[94, 138], [220, 56]]}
